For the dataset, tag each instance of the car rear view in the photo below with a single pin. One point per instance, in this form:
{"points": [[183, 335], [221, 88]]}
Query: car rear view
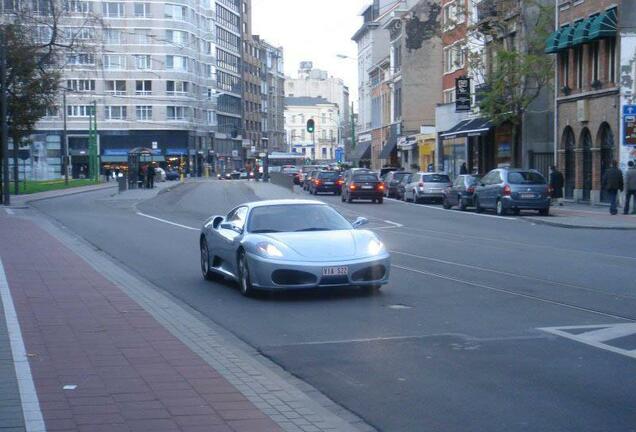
{"points": [[365, 185], [526, 190], [432, 186], [325, 181]]}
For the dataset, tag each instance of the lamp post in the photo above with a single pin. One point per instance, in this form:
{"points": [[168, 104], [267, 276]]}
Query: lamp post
{"points": [[4, 133]]}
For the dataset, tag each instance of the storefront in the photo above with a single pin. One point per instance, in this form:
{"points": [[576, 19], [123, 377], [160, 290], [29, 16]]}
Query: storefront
{"points": [[409, 152], [426, 151], [471, 142]]}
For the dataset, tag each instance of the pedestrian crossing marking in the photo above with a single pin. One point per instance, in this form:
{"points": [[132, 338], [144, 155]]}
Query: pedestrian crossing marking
{"points": [[617, 338]]}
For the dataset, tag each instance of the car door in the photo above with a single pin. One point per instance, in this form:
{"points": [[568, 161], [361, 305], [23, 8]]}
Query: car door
{"points": [[454, 191], [230, 233], [482, 190]]}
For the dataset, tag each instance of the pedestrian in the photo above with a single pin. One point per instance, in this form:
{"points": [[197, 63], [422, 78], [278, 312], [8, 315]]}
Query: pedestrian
{"points": [[107, 174], [556, 185], [612, 183], [630, 185], [151, 176], [464, 169]]}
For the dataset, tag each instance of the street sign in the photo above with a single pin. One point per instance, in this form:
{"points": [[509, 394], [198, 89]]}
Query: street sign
{"points": [[262, 155], [629, 125], [155, 145], [462, 94], [253, 149]]}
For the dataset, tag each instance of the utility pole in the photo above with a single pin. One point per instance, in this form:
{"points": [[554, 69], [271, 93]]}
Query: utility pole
{"points": [[65, 140], [4, 133]]}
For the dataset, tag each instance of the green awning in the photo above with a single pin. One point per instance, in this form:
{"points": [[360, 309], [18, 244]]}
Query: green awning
{"points": [[552, 42], [603, 26], [565, 39], [581, 31]]}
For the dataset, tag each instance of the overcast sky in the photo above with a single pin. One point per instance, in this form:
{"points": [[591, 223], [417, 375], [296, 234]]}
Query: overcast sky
{"points": [[312, 30]]}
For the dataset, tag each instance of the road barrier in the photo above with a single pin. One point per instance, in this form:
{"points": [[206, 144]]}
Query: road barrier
{"points": [[282, 180]]}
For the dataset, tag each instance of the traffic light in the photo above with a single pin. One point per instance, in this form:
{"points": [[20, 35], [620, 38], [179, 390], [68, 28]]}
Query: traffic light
{"points": [[311, 126]]}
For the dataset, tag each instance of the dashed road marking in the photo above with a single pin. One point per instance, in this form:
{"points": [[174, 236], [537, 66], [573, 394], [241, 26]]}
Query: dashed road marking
{"points": [[397, 225], [617, 338]]}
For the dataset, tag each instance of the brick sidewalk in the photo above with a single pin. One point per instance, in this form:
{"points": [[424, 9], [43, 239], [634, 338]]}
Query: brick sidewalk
{"points": [[130, 373]]}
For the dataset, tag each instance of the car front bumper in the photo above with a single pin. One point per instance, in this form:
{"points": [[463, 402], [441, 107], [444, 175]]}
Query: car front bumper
{"points": [[271, 274], [366, 194]]}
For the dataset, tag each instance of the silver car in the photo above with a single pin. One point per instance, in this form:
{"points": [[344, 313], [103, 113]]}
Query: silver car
{"points": [[425, 186], [292, 244]]}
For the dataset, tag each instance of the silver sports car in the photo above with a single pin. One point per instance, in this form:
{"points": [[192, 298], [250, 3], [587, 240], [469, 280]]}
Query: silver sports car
{"points": [[292, 244]]}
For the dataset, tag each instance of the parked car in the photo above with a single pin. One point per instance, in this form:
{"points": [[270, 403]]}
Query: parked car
{"points": [[391, 181], [401, 186], [426, 186], [172, 175], [362, 185], [384, 171], [461, 193], [325, 181], [510, 189]]}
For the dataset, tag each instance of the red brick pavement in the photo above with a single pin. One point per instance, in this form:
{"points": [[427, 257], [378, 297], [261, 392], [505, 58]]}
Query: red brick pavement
{"points": [[131, 373]]}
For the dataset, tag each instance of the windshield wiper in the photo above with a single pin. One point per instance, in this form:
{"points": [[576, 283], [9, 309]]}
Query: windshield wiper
{"points": [[313, 229]]}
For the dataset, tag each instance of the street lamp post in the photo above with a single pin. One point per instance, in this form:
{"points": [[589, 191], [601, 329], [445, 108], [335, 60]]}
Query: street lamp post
{"points": [[4, 133]]}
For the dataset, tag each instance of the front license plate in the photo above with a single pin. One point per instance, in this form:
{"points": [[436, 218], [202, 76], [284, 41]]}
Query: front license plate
{"points": [[328, 183], [527, 195], [367, 187], [335, 271]]}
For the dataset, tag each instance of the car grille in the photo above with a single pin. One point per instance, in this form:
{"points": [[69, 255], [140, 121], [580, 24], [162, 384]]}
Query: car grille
{"points": [[334, 280], [292, 277], [368, 274]]}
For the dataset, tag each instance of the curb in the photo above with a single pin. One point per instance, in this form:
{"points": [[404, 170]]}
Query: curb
{"points": [[27, 201], [570, 226]]}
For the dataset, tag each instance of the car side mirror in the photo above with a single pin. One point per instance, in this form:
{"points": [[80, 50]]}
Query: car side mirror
{"points": [[232, 227], [217, 221], [359, 222]]}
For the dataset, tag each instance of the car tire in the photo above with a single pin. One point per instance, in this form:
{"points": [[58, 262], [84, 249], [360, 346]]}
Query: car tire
{"points": [[545, 212], [380, 200], [478, 208], [462, 204], [446, 204], [245, 283], [207, 273], [500, 209]]}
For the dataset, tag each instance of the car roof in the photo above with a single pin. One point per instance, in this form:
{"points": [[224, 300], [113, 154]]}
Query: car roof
{"points": [[267, 203]]}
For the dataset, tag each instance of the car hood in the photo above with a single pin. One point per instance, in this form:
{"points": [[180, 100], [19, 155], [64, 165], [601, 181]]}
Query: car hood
{"points": [[323, 245]]}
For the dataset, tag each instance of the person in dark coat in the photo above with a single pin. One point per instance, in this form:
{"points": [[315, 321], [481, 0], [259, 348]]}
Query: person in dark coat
{"points": [[464, 169], [612, 183], [151, 176], [556, 185]]}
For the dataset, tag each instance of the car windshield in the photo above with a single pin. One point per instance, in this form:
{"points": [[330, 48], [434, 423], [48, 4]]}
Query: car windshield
{"points": [[328, 175], [435, 178], [365, 178], [296, 218], [525, 177], [472, 180]]}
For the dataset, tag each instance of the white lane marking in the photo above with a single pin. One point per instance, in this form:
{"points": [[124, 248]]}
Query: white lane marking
{"points": [[454, 212], [168, 222], [598, 336], [514, 293], [397, 225], [33, 420]]}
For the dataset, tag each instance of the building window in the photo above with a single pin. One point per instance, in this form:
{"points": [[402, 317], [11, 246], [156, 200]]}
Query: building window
{"points": [[323, 152], [77, 6], [142, 61], [142, 10], [79, 110], [179, 63], [175, 112], [211, 117], [611, 59], [112, 36], [144, 112], [113, 10], [81, 85], [175, 12], [117, 87], [115, 112], [143, 88], [578, 61], [449, 96], [114, 61], [565, 68], [453, 58], [177, 88], [452, 16], [177, 37], [595, 61], [80, 59]]}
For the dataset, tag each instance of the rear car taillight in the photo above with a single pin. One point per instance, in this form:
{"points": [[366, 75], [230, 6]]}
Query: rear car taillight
{"points": [[339, 182], [352, 186], [317, 182], [381, 186], [507, 191], [470, 190]]}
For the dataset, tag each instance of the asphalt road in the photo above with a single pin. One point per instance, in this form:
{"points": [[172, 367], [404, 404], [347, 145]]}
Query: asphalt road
{"points": [[453, 343]]}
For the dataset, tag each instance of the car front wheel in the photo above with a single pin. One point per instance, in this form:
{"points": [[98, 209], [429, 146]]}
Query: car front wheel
{"points": [[205, 261], [245, 282]]}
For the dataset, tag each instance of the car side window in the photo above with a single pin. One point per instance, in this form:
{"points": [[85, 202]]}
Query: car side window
{"points": [[486, 180], [237, 217]]}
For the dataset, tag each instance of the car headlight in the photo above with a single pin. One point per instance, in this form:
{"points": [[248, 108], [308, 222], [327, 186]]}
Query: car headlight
{"points": [[268, 249], [375, 247]]}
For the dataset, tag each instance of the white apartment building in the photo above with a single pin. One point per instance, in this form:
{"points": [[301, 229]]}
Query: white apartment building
{"points": [[164, 75], [322, 144]]}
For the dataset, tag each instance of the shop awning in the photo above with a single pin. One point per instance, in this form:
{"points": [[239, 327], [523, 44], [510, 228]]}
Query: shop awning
{"points": [[362, 151], [552, 42], [565, 39], [467, 128], [388, 149], [603, 26], [581, 31], [112, 159]]}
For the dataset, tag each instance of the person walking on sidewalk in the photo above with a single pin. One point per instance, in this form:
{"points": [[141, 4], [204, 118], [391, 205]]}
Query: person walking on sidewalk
{"points": [[630, 185], [612, 183], [151, 176], [556, 185]]}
